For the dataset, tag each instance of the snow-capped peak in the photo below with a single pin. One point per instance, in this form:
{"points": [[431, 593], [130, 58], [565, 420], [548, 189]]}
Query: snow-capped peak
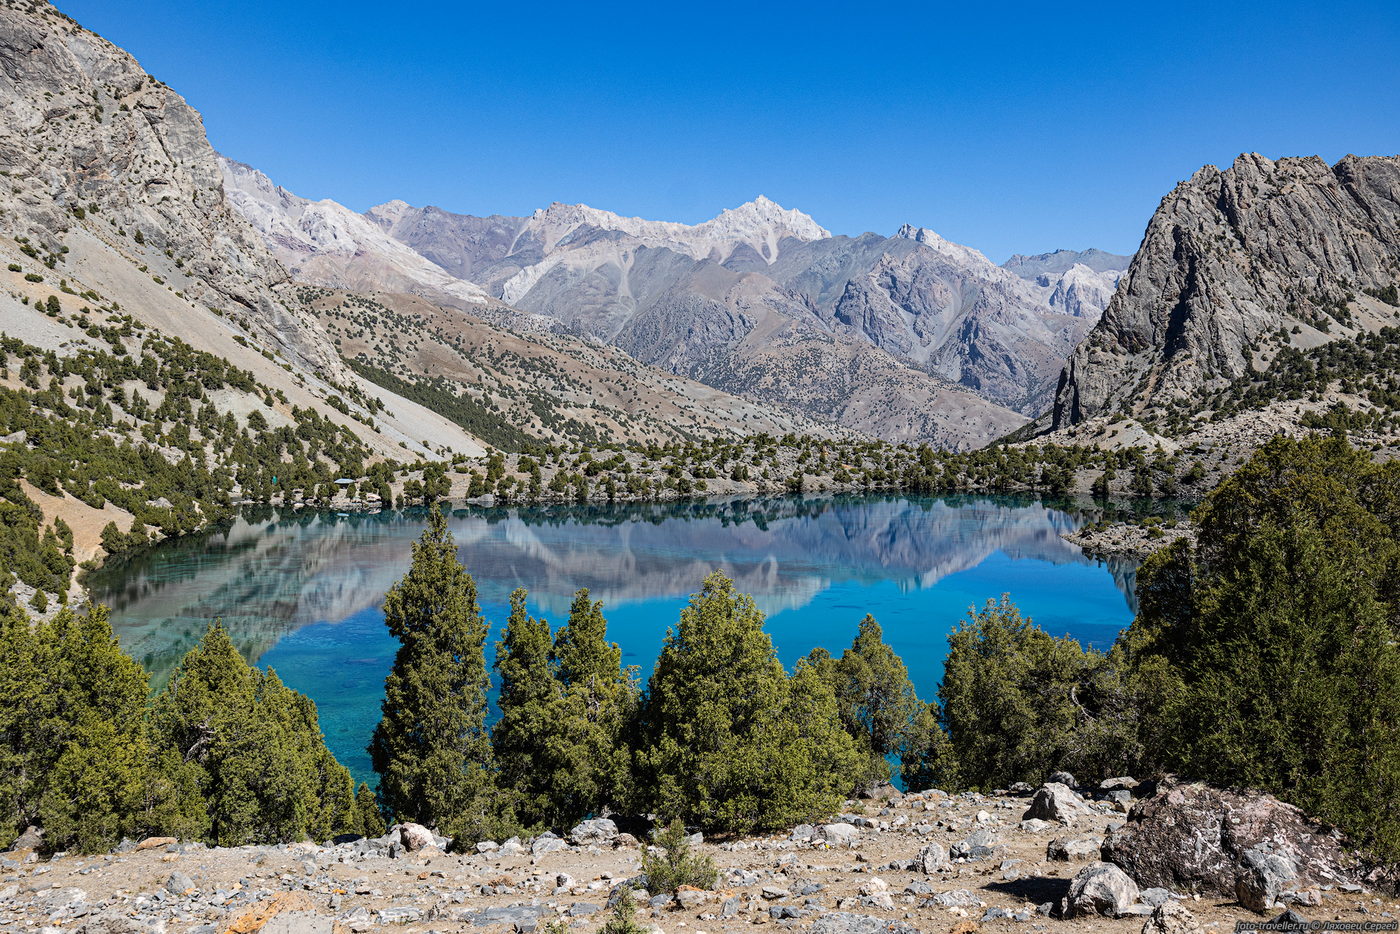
{"points": [[761, 224], [964, 255], [755, 218]]}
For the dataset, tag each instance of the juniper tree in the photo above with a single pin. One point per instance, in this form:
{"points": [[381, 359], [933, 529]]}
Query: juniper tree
{"points": [[255, 749], [730, 744], [531, 706], [927, 759], [600, 699], [1009, 697], [95, 725], [73, 756], [874, 694], [1266, 655], [431, 748]]}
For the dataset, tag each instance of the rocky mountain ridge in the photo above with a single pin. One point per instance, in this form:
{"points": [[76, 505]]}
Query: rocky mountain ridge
{"points": [[1236, 267], [871, 333]]}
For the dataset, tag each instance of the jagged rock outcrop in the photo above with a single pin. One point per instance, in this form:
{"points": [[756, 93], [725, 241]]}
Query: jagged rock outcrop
{"points": [[1230, 260], [1197, 838], [100, 156]]}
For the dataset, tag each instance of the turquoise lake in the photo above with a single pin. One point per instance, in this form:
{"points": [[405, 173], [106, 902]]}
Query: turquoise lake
{"points": [[301, 592]]}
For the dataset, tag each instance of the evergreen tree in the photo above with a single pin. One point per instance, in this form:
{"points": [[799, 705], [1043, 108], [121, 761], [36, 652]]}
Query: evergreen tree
{"points": [[725, 747], [22, 697], [369, 822], [431, 748], [876, 698], [96, 725], [600, 700], [255, 747], [1266, 656], [531, 706], [1009, 697], [927, 759]]}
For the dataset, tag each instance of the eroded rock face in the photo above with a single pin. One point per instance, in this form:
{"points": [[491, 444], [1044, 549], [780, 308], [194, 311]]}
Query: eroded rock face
{"points": [[89, 140], [1194, 837], [1229, 257]]}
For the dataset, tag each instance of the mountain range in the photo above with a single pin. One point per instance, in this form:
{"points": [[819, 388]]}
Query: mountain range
{"points": [[904, 337], [431, 332]]}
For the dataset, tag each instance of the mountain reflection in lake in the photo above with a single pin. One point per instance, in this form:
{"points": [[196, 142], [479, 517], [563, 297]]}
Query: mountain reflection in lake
{"points": [[302, 592]]}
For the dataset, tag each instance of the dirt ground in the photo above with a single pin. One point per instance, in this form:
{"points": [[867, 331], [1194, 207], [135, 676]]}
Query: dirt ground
{"points": [[861, 888]]}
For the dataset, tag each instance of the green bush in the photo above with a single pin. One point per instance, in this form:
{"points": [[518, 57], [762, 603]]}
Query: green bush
{"points": [[677, 865]]}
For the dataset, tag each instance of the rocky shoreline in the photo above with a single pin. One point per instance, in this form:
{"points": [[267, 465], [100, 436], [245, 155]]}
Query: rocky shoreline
{"points": [[1126, 539], [1122, 856]]}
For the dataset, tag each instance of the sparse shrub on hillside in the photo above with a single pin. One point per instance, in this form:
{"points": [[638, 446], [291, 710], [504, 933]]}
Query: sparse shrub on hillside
{"points": [[677, 864]]}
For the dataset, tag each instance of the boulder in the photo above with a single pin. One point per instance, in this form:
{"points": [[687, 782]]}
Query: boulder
{"points": [[32, 839], [179, 884], [838, 834], [1121, 783], [151, 843], [1261, 879], [1171, 917], [547, 843], [931, 859], [414, 837], [980, 844], [1074, 849], [1193, 837], [1099, 889], [1062, 778], [1055, 801], [600, 831]]}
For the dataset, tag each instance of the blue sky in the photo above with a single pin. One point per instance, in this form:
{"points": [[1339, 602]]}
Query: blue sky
{"points": [[1012, 128]]}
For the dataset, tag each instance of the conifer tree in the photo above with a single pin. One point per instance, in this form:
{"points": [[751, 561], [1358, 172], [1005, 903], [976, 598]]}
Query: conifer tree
{"points": [[431, 748], [1266, 655], [724, 745], [876, 698], [927, 759], [531, 706], [22, 694], [96, 725], [369, 822], [600, 700], [1008, 697], [259, 759]]}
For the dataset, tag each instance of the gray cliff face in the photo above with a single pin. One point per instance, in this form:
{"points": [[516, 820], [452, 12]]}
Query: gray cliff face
{"points": [[82, 126], [1229, 258]]}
